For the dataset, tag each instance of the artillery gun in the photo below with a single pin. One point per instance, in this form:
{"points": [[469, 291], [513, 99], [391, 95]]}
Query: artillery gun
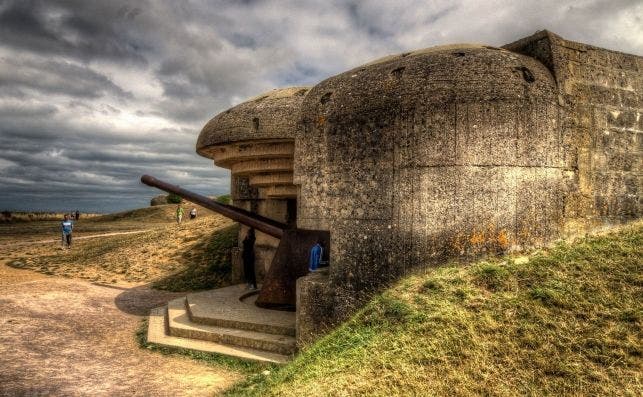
{"points": [[291, 258]]}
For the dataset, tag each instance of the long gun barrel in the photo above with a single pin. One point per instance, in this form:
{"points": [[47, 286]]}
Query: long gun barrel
{"points": [[279, 290], [261, 223]]}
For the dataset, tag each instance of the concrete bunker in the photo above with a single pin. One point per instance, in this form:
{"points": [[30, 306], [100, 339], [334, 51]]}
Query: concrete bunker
{"points": [[441, 153], [462, 150], [255, 140], [447, 152]]}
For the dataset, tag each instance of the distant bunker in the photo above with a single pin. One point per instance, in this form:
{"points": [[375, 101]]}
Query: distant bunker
{"points": [[447, 152], [255, 140]]}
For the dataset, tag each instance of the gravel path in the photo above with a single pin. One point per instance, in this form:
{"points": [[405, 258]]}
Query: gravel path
{"points": [[67, 337]]}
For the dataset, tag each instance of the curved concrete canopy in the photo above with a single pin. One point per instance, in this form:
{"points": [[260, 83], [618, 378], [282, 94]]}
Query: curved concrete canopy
{"points": [[269, 116]]}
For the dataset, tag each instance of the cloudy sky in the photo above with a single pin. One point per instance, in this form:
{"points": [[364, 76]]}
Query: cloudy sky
{"points": [[95, 93]]}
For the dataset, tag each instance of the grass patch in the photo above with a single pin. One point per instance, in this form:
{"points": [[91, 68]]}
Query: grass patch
{"points": [[492, 276], [224, 199], [208, 264], [566, 322], [247, 368]]}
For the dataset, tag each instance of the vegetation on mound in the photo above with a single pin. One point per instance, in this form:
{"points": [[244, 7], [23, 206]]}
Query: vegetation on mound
{"points": [[224, 199], [108, 259], [164, 213], [174, 198], [158, 213], [565, 322], [208, 263]]}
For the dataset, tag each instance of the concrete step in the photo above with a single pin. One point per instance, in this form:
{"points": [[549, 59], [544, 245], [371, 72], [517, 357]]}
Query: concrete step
{"points": [[233, 307], [157, 333], [181, 325]]}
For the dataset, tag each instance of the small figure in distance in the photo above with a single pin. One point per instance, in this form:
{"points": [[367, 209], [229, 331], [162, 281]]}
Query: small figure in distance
{"points": [[66, 227], [316, 254], [248, 256], [77, 215], [193, 213], [179, 214]]}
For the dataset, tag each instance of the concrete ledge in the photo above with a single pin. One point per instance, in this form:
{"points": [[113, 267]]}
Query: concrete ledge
{"points": [[226, 155], [250, 167]]}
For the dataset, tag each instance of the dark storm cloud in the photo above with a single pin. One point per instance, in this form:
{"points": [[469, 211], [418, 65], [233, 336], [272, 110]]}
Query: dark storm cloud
{"points": [[95, 93], [76, 168], [54, 77], [78, 29], [19, 111]]}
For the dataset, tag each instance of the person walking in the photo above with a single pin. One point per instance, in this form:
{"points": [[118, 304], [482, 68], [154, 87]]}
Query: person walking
{"points": [[248, 256], [66, 227], [179, 214], [77, 215]]}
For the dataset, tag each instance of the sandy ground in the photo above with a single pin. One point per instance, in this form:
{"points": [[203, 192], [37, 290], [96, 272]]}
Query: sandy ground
{"points": [[110, 252], [67, 337]]}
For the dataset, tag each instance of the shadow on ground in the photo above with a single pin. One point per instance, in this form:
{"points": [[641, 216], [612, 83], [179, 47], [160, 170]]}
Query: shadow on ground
{"points": [[139, 300]]}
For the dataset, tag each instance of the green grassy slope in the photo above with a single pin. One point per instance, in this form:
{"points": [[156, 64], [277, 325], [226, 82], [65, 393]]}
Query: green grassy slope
{"points": [[162, 213], [206, 265], [565, 321]]}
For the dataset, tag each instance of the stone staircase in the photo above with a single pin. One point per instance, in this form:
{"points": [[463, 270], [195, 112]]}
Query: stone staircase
{"points": [[225, 321]]}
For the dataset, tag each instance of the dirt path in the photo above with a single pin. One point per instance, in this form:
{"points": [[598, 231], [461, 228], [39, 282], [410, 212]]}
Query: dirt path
{"points": [[66, 337], [13, 245]]}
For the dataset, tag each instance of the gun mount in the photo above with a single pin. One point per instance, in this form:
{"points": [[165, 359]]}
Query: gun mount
{"points": [[291, 258]]}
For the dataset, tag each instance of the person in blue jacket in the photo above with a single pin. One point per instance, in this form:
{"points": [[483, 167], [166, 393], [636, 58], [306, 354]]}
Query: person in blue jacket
{"points": [[316, 254], [67, 226]]}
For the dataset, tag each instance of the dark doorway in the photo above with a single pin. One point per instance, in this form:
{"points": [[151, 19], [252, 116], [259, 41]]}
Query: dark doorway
{"points": [[291, 212]]}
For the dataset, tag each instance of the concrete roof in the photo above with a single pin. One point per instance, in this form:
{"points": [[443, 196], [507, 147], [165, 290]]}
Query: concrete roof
{"points": [[269, 116], [439, 75]]}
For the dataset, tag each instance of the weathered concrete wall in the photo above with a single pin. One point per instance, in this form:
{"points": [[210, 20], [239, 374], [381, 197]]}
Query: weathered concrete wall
{"points": [[601, 93], [458, 151], [314, 306]]}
